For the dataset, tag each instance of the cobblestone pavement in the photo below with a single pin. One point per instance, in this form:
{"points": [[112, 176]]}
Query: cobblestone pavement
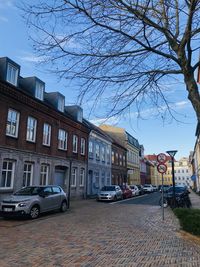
{"points": [[97, 234]]}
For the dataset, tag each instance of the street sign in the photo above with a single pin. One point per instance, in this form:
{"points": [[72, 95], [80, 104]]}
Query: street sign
{"points": [[162, 168], [161, 158]]}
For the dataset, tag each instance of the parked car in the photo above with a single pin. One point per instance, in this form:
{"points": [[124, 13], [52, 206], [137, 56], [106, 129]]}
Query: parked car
{"points": [[126, 191], [109, 193], [33, 200], [182, 198], [165, 188], [141, 190], [135, 190], [155, 188], [148, 188]]}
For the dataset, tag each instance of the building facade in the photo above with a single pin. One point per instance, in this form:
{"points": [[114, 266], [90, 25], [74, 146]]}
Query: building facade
{"points": [[133, 148], [99, 160], [41, 141]]}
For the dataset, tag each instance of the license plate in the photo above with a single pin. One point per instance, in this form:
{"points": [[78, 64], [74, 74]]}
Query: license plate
{"points": [[7, 209]]}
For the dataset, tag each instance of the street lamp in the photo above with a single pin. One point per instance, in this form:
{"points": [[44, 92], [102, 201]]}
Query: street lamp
{"points": [[172, 154]]}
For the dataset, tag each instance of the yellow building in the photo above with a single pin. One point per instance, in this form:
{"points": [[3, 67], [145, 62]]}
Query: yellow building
{"points": [[133, 148]]}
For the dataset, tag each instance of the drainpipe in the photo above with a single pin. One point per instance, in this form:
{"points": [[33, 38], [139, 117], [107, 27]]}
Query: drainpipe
{"points": [[69, 184]]}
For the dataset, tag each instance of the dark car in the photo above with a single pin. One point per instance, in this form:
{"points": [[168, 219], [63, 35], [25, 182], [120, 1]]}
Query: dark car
{"points": [[141, 190], [126, 191], [33, 200]]}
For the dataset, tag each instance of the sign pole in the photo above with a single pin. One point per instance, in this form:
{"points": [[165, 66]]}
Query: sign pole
{"points": [[162, 199]]}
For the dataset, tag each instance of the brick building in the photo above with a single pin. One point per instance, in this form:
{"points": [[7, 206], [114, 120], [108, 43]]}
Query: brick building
{"points": [[41, 140]]}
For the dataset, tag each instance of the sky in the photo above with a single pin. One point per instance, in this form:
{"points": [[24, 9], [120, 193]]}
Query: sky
{"points": [[156, 135]]}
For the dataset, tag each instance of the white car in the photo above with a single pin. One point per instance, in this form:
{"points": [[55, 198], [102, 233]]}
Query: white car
{"points": [[148, 188], [135, 190]]}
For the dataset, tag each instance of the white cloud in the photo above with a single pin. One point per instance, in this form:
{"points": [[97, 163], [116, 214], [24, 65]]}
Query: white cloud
{"points": [[32, 58], [112, 120]]}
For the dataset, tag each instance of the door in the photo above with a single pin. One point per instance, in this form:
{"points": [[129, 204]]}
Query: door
{"points": [[59, 178]]}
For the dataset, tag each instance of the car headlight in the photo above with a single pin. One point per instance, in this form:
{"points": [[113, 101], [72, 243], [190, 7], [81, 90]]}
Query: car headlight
{"points": [[22, 205]]}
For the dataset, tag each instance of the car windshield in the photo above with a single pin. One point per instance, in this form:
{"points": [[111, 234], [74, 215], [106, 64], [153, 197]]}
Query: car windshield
{"points": [[108, 188], [177, 189], [28, 191], [147, 185]]}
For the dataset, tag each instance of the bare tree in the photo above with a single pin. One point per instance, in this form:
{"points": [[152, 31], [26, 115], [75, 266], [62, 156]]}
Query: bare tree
{"points": [[127, 50]]}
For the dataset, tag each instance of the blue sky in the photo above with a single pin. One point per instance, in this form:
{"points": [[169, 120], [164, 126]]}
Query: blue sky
{"points": [[155, 134]]}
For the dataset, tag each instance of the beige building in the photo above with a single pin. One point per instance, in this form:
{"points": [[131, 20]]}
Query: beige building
{"points": [[196, 159], [133, 148]]}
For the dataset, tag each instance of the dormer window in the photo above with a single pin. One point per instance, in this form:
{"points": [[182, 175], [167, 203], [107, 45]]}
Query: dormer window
{"points": [[12, 74], [39, 90], [61, 104]]}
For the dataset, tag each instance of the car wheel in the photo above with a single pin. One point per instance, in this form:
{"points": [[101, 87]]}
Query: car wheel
{"points": [[63, 206], [115, 198], [35, 212]]}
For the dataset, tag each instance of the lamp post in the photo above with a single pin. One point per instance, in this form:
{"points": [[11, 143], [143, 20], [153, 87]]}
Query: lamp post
{"points": [[172, 154]]}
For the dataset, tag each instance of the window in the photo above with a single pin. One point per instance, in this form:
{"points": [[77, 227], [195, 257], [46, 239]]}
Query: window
{"points": [[28, 174], [113, 157], [56, 189], [82, 176], [44, 174], [7, 174], [96, 182], [39, 90], [75, 143], [108, 179], [82, 146], [103, 156], [31, 129], [108, 155], [46, 134], [124, 160], [12, 123], [97, 152], [182, 171], [117, 158], [12, 74], [120, 160], [62, 139], [103, 178], [90, 149], [74, 175], [61, 104]]}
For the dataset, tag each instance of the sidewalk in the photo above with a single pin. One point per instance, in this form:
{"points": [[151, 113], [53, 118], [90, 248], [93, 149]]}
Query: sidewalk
{"points": [[195, 200]]}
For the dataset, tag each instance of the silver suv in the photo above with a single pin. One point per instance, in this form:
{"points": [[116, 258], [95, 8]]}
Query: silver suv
{"points": [[33, 200]]}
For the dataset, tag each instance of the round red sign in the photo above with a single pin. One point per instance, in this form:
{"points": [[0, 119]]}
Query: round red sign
{"points": [[162, 168], [161, 158]]}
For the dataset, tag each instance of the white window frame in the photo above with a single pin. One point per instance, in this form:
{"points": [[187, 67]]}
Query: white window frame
{"points": [[97, 152], [82, 177], [75, 143], [28, 174], [31, 129], [8, 171], [62, 139], [103, 154], [12, 74], [44, 174], [46, 134], [74, 177], [12, 125], [83, 146], [39, 90]]}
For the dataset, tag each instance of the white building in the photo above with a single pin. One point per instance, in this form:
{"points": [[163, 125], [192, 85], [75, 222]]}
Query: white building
{"points": [[182, 172]]}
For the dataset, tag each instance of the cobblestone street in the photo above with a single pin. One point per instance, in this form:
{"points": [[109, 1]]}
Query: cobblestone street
{"points": [[98, 234]]}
